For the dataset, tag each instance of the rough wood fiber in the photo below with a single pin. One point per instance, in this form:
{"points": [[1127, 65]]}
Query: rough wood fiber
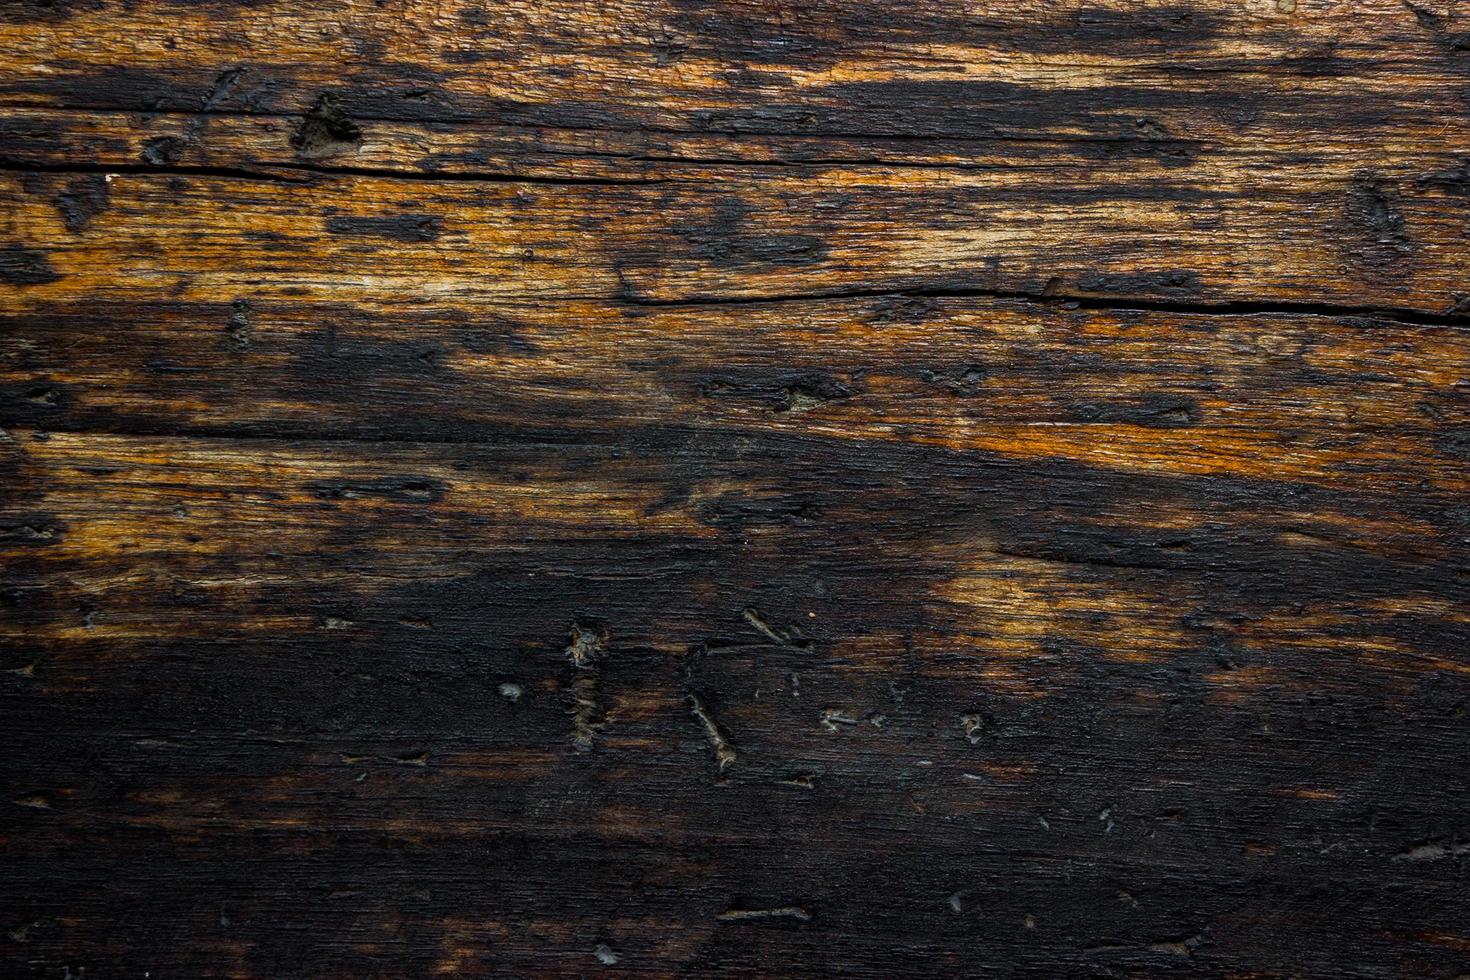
{"points": [[735, 488]]}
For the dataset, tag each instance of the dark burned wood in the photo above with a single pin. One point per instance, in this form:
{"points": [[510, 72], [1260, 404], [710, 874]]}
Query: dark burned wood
{"points": [[734, 488]]}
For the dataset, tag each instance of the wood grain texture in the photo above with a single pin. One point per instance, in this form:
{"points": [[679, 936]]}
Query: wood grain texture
{"points": [[734, 489]]}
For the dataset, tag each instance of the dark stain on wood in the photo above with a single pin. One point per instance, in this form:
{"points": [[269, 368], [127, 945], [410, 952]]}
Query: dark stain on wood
{"points": [[82, 200], [326, 131], [21, 266], [398, 228], [724, 240], [1373, 210], [160, 151]]}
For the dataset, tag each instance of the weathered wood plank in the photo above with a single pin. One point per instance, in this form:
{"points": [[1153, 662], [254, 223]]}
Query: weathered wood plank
{"points": [[1339, 181], [900, 648], [1373, 210], [1331, 401], [200, 237], [944, 68], [734, 489], [67, 138]]}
